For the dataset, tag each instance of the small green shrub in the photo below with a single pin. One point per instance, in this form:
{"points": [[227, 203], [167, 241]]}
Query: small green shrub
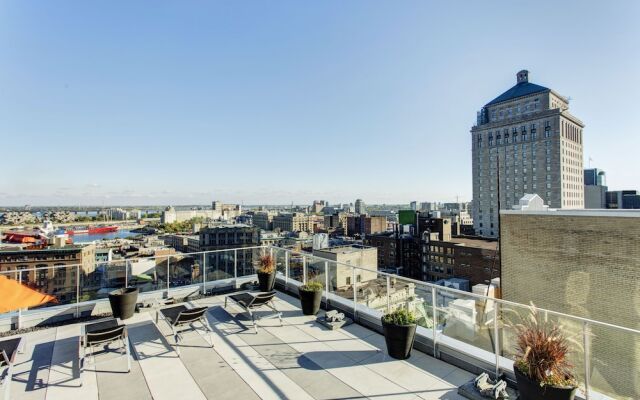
{"points": [[400, 317], [312, 287]]}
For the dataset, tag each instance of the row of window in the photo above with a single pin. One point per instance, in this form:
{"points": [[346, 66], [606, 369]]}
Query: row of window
{"points": [[509, 112]]}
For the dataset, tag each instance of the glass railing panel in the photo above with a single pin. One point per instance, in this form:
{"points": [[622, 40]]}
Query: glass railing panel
{"points": [[103, 279], [280, 258], [371, 289], [339, 287], [421, 304], [315, 269], [58, 281], [466, 318], [296, 268], [147, 274], [247, 261], [184, 270], [614, 368], [219, 264]]}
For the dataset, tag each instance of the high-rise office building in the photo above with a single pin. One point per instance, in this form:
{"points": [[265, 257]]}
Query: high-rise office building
{"points": [[623, 199], [525, 141], [595, 188], [595, 177], [361, 208]]}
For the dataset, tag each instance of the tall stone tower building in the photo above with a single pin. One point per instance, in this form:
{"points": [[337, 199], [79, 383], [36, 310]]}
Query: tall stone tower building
{"points": [[525, 141]]}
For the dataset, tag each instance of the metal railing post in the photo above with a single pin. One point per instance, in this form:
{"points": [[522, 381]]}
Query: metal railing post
{"points": [[168, 258], [204, 274], [326, 284], [286, 269], [77, 291], [434, 330], [19, 322], [304, 270], [496, 341], [586, 343], [235, 264], [126, 274], [355, 294], [388, 294]]}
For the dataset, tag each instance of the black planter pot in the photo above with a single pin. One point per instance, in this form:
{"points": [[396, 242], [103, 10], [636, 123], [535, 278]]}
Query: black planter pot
{"points": [[399, 339], [266, 282], [531, 390], [123, 302], [310, 301]]}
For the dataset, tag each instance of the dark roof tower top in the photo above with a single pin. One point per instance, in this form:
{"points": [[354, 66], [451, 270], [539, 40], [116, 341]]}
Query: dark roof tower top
{"points": [[521, 88], [523, 76]]}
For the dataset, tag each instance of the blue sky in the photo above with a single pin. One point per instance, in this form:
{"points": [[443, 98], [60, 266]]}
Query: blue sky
{"points": [[152, 102]]}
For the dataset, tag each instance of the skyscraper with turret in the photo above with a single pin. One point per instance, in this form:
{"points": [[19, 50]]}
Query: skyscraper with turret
{"points": [[525, 141]]}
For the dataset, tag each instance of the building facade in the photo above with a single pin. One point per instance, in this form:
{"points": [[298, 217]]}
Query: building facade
{"points": [[48, 274], [365, 225], [218, 211], [525, 141], [221, 265], [622, 199], [293, 222], [595, 188], [341, 275], [263, 220]]}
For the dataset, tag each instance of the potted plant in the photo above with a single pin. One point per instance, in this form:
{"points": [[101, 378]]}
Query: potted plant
{"points": [[266, 273], [541, 366], [310, 297], [123, 302], [399, 332]]}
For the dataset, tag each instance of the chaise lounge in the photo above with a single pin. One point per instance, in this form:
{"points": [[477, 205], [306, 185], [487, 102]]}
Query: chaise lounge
{"points": [[8, 350], [250, 302], [179, 317], [104, 333]]}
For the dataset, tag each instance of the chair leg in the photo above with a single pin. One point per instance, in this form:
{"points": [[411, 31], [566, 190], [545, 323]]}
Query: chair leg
{"points": [[176, 338], [82, 357], [255, 323], [206, 325], [7, 384], [128, 350], [93, 355]]}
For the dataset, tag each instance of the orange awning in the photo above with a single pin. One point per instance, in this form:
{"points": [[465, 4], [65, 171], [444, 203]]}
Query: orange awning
{"points": [[14, 296]]}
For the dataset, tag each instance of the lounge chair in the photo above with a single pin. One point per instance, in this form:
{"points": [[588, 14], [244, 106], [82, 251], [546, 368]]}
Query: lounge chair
{"points": [[104, 333], [8, 350], [179, 317], [250, 302]]}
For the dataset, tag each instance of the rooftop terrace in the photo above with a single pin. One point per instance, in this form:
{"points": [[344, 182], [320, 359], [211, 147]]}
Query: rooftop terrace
{"points": [[299, 360], [459, 335]]}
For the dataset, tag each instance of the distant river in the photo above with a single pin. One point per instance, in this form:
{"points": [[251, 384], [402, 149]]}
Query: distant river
{"points": [[121, 234]]}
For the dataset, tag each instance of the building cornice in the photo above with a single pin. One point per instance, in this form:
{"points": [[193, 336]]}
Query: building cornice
{"points": [[521, 119]]}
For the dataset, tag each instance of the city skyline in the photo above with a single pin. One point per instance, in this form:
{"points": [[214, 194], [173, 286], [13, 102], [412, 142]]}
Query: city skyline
{"points": [[129, 104]]}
